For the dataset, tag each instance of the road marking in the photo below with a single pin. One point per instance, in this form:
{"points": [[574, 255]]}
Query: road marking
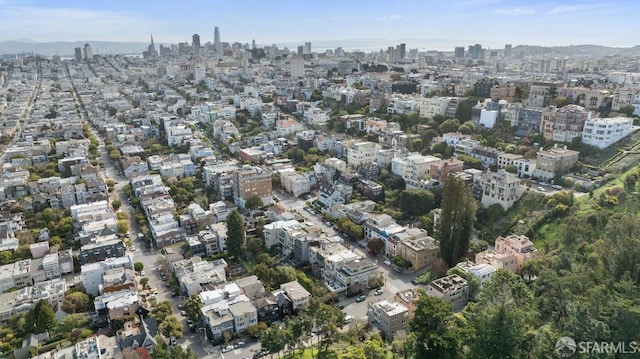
{"points": [[393, 289]]}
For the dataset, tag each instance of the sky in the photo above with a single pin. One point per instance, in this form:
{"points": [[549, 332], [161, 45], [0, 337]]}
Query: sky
{"points": [[464, 22]]}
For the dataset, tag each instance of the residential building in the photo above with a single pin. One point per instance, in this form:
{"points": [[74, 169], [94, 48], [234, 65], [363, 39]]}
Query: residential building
{"points": [[500, 187], [388, 317], [362, 153], [564, 124], [483, 271], [506, 260], [554, 162], [357, 274], [519, 245], [251, 182], [415, 246], [92, 273], [408, 298], [244, 315], [604, 132], [451, 289], [297, 293]]}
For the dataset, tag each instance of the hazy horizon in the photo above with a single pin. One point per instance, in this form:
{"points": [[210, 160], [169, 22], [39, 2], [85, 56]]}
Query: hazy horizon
{"points": [[489, 22]]}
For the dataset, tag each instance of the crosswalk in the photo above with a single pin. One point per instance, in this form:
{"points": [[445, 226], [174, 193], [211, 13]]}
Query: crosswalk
{"points": [[393, 289]]}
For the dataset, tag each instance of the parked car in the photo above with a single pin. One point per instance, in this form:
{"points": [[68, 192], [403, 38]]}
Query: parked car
{"points": [[183, 313], [348, 318], [142, 273], [239, 344], [228, 348], [378, 292], [361, 298], [387, 262], [556, 186], [340, 306], [414, 282]]}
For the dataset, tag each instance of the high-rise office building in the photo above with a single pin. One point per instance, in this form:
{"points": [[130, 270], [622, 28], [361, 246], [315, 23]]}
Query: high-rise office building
{"points": [[459, 52], [253, 44], [300, 50], [196, 43], [88, 52], [78, 53], [507, 50], [403, 51], [306, 54], [217, 43]]}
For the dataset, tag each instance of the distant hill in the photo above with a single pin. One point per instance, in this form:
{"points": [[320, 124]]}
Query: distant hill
{"points": [[66, 48]]}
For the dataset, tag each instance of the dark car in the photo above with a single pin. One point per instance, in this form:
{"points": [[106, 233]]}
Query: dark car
{"points": [[340, 306], [414, 282]]}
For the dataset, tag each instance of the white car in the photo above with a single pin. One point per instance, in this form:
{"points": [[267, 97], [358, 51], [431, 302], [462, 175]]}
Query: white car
{"points": [[142, 273], [387, 263]]}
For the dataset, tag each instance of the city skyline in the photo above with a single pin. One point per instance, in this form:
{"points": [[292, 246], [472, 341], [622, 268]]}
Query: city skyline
{"points": [[491, 22]]}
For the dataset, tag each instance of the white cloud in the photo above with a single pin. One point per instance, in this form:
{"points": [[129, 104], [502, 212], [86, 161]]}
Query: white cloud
{"points": [[69, 24], [562, 8], [516, 11]]}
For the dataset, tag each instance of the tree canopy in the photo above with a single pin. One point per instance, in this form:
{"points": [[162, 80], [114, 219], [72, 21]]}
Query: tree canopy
{"points": [[235, 234], [457, 220]]}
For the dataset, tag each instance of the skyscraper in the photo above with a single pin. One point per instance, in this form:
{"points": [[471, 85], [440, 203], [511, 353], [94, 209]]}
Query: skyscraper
{"points": [[403, 51], [196, 43], [307, 51], [253, 44], [217, 43], [507, 50], [459, 52], [88, 52], [78, 53]]}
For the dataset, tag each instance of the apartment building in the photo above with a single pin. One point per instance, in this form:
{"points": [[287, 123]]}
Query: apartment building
{"points": [[440, 170], [564, 124], [483, 271], [362, 153], [357, 274], [604, 132], [381, 226], [92, 273], [251, 182], [297, 293], [500, 187], [507, 159], [451, 289], [416, 247], [554, 162], [408, 298], [506, 260], [244, 315], [521, 247], [388, 317], [100, 249]]}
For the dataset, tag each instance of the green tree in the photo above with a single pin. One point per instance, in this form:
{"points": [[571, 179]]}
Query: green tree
{"points": [[627, 110], [192, 307], [503, 318], [457, 219], [171, 327], [76, 302], [71, 322], [161, 311], [451, 125], [416, 202], [511, 169], [144, 281], [138, 266], [116, 203], [122, 226], [235, 234], [46, 318], [114, 155], [5, 257], [467, 128], [273, 339], [432, 325], [375, 245], [254, 202]]}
